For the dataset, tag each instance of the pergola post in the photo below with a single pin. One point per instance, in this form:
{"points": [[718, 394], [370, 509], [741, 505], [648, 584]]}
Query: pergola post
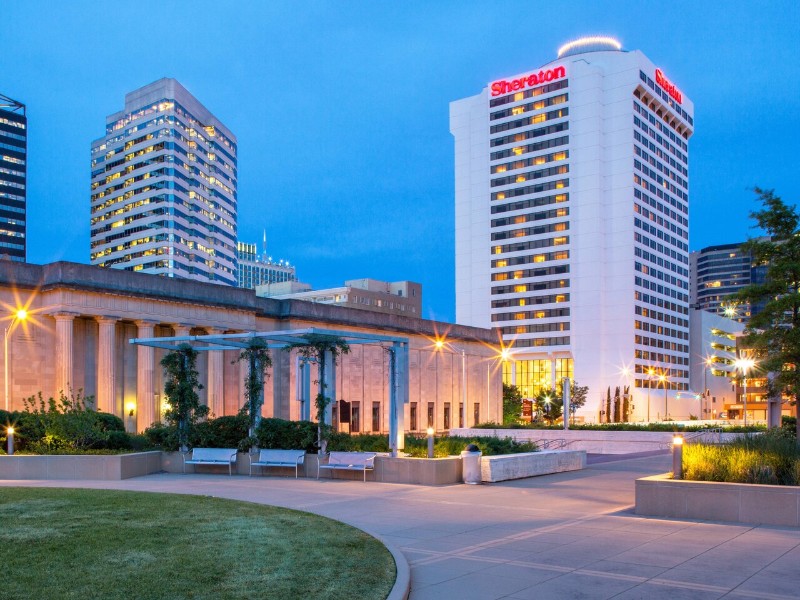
{"points": [[330, 386], [304, 387], [398, 395]]}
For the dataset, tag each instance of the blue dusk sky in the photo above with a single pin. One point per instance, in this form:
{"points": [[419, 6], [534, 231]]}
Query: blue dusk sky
{"points": [[341, 110]]}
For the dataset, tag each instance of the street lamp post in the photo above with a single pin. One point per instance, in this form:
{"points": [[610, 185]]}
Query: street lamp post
{"points": [[744, 365], [663, 379], [708, 362], [649, 385], [20, 315]]}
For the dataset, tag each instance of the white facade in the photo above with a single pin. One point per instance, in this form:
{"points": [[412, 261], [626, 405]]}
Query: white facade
{"points": [[163, 195], [713, 342], [572, 221]]}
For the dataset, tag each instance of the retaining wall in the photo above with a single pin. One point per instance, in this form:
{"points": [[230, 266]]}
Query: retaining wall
{"points": [[662, 496], [594, 442]]}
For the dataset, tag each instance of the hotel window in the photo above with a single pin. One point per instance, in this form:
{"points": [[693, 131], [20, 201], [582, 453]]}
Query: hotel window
{"points": [[447, 415], [413, 419], [476, 413], [461, 414], [355, 416], [431, 417]]}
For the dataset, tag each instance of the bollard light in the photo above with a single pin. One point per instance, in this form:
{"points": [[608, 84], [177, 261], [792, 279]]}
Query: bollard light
{"points": [[10, 438], [677, 457], [430, 442]]}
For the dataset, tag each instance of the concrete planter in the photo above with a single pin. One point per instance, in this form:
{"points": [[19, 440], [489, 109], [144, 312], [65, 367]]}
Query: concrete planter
{"points": [[85, 466], [662, 496], [529, 464]]}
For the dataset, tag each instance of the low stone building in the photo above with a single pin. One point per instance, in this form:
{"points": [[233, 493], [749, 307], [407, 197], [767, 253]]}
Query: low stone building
{"points": [[81, 318]]}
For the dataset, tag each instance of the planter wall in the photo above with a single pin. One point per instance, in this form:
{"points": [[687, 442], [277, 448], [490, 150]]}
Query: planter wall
{"points": [[595, 442], [70, 467], [662, 496], [516, 466], [419, 471]]}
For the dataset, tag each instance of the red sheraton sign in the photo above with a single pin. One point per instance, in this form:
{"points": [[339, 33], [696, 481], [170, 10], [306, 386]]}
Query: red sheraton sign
{"points": [[506, 86], [668, 86]]}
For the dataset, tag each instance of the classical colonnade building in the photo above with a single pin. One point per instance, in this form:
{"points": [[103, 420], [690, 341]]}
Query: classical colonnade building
{"points": [[80, 319]]}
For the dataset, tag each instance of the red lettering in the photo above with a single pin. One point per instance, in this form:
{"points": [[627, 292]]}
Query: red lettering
{"points": [[504, 86], [668, 86]]}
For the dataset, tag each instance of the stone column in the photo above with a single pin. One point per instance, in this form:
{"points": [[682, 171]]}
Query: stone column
{"points": [[64, 349], [216, 389], [145, 399], [106, 365], [181, 329]]}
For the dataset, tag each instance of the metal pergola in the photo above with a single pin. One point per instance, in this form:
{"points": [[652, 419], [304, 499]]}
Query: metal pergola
{"points": [[396, 346]]}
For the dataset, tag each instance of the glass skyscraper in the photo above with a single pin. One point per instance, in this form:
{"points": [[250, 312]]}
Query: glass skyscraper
{"points": [[13, 176]]}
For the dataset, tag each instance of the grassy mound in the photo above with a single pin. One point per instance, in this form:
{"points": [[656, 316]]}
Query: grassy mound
{"points": [[93, 544]]}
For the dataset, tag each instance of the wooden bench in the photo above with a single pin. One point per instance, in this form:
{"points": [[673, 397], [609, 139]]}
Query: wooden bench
{"points": [[349, 461], [279, 458], [211, 456]]}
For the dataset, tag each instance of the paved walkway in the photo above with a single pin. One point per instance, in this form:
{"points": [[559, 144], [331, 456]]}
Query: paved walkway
{"points": [[570, 535]]}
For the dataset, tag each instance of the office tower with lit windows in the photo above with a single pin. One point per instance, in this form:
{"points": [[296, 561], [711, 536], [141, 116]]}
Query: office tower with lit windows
{"points": [[572, 222], [718, 274], [13, 179], [163, 197], [256, 269]]}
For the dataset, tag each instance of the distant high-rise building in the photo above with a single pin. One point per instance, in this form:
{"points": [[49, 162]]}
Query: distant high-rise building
{"points": [[572, 221], [720, 272], [13, 179], [256, 269], [164, 188]]}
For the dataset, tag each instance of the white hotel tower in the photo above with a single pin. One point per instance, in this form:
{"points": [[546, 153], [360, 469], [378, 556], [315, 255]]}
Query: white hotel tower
{"points": [[572, 225], [164, 188]]}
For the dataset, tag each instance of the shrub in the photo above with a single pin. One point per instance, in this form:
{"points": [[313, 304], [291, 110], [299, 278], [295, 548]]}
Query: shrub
{"points": [[453, 446], [361, 442], [64, 424], [222, 432], [162, 436], [279, 433]]}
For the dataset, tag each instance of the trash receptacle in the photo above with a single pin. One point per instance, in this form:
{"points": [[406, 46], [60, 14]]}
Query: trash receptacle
{"points": [[471, 464]]}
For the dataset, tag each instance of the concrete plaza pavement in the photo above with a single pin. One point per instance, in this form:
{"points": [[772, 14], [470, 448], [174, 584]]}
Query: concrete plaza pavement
{"points": [[568, 535]]}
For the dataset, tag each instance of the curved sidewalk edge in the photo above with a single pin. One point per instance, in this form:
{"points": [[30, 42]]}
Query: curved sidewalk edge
{"points": [[402, 584]]}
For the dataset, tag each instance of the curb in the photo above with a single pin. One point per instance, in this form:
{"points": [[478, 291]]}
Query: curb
{"points": [[402, 584]]}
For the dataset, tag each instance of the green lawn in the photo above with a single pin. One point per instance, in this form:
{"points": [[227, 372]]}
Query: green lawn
{"points": [[98, 544]]}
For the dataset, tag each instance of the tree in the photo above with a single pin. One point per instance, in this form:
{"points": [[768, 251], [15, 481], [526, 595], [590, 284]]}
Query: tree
{"points": [[258, 359], [773, 333], [181, 388], [608, 405], [549, 405], [577, 397], [626, 403], [315, 347], [617, 413], [512, 404]]}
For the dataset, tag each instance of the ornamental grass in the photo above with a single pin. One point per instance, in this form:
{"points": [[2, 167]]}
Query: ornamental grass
{"points": [[771, 458]]}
